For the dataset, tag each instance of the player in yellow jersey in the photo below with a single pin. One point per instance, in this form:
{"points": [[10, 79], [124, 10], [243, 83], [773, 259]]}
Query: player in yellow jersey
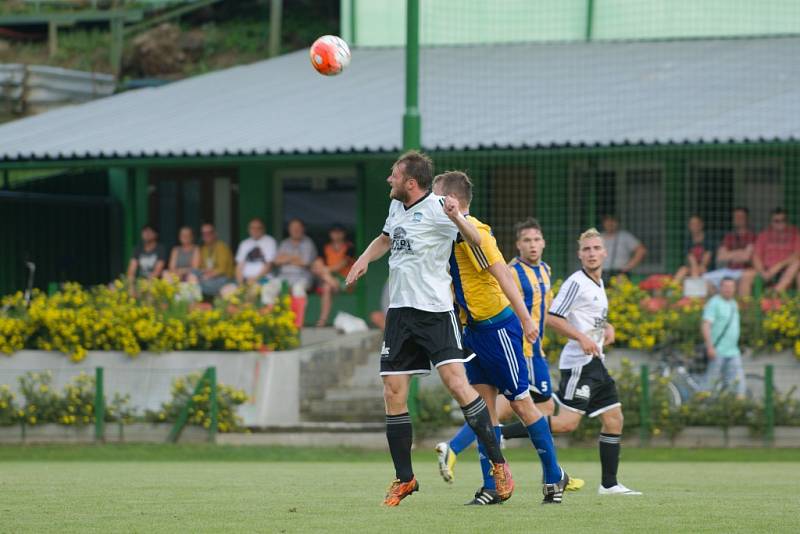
{"points": [[532, 276], [494, 317]]}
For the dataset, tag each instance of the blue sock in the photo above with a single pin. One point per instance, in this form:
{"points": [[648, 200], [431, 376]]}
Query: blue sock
{"points": [[539, 433], [463, 439], [486, 465]]}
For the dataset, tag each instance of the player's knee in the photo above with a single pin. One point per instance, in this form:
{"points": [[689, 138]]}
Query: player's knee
{"points": [[394, 395], [613, 422], [567, 426]]}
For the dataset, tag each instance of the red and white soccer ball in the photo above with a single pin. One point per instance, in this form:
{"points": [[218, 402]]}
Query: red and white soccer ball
{"points": [[330, 55]]}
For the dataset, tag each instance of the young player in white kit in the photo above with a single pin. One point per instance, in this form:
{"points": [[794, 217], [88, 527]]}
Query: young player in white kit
{"points": [[580, 312]]}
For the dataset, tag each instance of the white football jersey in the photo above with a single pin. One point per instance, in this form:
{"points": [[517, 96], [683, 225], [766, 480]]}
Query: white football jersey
{"points": [[583, 303], [422, 238]]}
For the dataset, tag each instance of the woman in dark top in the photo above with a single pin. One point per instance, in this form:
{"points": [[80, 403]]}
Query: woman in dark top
{"points": [[698, 251]]}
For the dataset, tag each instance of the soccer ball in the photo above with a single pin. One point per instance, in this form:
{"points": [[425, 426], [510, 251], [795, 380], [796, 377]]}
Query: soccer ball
{"points": [[329, 55]]}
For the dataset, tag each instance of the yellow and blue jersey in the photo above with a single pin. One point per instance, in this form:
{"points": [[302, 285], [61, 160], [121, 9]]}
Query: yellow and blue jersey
{"points": [[477, 293], [533, 282]]}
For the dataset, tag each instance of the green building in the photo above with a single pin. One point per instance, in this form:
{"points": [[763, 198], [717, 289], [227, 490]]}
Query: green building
{"points": [[652, 130]]}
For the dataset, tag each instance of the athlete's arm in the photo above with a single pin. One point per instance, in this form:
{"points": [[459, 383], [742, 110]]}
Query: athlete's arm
{"points": [[562, 326], [466, 228], [379, 246], [705, 329], [609, 335], [501, 272]]}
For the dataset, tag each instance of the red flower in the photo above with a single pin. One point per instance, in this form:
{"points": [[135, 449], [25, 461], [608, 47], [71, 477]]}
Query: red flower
{"points": [[771, 304], [655, 282], [653, 304], [685, 303]]}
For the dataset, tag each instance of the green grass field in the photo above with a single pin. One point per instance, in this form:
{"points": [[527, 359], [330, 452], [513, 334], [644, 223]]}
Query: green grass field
{"points": [[214, 489]]}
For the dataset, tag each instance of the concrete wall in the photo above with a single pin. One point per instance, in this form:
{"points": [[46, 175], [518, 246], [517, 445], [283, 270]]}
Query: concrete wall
{"points": [[272, 381]]}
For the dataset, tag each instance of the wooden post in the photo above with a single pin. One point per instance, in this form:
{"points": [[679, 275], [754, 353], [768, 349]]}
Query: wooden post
{"points": [[275, 27], [117, 43], [52, 38]]}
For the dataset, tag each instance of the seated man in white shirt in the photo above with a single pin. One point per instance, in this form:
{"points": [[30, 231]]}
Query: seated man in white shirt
{"points": [[255, 255]]}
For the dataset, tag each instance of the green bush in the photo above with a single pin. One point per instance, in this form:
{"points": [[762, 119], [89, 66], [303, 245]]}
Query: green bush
{"points": [[74, 405], [183, 389]]}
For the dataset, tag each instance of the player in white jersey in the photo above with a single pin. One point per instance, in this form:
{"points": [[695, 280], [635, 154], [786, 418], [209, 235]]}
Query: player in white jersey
{"points": [[580, 312], [421, 327]]}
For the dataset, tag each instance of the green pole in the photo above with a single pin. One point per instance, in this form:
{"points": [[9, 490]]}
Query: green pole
{"points": [[644, 406], [769, 405], [353, 40], [589, 19], [413, 399], [212, 382], [412, 126], [99, 406], [412, 122]]}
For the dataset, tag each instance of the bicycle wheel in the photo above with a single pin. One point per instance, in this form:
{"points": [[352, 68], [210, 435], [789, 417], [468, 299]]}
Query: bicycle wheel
{"points": [[670, 390]]}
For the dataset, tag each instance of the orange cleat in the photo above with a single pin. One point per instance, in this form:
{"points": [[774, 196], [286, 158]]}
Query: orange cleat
{"points": [[399, 491], [503, 480]]}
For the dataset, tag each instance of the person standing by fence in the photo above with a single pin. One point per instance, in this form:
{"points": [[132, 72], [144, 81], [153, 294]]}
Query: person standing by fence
{"points": [[721, 326]]}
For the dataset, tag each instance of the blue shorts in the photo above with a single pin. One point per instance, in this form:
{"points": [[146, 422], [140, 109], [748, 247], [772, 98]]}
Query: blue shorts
{"points": [[539, 378], [499, 361]]}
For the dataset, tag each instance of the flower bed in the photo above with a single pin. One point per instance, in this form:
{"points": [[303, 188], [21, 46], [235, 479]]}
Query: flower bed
{"points": [[723, 411], [74, 405], [75, 320], [654, 312]]}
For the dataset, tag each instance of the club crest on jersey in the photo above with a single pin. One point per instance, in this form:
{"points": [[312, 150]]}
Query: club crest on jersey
{"points": [[400, 243], [417, 216]]}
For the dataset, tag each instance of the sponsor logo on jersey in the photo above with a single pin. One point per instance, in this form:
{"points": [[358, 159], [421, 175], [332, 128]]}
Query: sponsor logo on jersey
{"points": [[400, 243], [583, 392]]}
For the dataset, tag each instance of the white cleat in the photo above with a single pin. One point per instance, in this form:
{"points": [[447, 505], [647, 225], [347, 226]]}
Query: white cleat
{"points": [[447, 461], [619, 489]]}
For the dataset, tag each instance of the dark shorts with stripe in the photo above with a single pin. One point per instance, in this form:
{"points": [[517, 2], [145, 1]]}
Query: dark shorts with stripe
{"points": [[415, 339], [588, 389]]}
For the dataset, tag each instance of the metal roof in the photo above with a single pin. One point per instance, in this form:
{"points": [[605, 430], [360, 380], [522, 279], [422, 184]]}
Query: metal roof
{"points": [[520, 95]]}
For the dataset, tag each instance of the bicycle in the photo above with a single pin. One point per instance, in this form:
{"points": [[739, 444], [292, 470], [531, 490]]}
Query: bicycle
{"points": [[686, 377]]}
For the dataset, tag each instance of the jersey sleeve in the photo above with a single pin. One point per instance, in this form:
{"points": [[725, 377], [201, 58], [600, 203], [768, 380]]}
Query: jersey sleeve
{"points": [[486, 254], [515, 274], [386, 226], [566, 299], [443, 223]]}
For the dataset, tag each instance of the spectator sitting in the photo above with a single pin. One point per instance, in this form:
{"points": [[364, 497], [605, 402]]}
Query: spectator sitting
{"points": [[184, 258], [255, 255], [735, 254], [216, 262], [776, 255], [298, 263], [698, 251], [338, 253], [625, 252], [148, 258]]}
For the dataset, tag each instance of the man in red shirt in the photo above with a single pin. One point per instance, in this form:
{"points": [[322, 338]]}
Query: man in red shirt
{"points": [[735, 254], [777, 252]]}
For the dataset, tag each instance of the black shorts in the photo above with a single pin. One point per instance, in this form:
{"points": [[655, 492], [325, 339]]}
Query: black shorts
{"points": [[415, 339], [588, 389]]}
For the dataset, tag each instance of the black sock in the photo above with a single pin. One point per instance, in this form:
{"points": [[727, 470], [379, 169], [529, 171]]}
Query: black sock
{"points": [[477, 416], [609, 457], [514, 430], [399, 435]]}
